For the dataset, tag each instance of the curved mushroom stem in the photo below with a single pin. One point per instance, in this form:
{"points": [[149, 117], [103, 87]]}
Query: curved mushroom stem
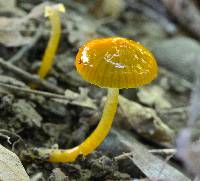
{"points": [[54, 16], [94, 140], [53, 13]]}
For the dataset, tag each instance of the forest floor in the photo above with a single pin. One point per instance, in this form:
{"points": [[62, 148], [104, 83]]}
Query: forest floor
{"points": [[146, 141]]}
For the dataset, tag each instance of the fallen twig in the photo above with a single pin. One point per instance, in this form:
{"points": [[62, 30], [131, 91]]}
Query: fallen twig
{"points": [[30, 78], [163, 151], [28, 91], [69, 98], [154, 151]]}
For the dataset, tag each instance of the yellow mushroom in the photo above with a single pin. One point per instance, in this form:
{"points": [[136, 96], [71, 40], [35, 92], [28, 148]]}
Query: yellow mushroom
{"points": [[112, 63], [53, 13]]}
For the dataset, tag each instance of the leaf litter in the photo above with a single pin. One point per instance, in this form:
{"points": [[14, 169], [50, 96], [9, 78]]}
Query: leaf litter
{"points": [[49, 120]]}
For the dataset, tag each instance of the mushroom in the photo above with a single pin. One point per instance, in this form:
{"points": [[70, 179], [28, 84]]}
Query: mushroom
{"points": [[53, 13], [112, 63]]}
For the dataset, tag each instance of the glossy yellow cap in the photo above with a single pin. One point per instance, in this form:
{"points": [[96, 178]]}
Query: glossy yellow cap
{"points": [[116, 63]]}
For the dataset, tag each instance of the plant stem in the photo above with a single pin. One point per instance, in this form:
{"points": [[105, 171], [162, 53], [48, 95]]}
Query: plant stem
{"points": [[94, 140]]}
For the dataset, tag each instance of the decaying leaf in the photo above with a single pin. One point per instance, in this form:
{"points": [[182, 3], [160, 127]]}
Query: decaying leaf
{"points": [[79, 28], [64, 69], [58, 175], [111, 8], [9, 6], [11, 81], [81, 99], [153, 167], [10, 35], [10, 28], [25, 113], [11, 167], [144, 121], [153, 96], [37, 11], [77, 99]]}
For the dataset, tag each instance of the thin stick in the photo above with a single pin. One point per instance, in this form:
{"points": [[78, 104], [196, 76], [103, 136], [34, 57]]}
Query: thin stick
{"points": [[163, 151], [30, 78], [154, 151], [28, 91]]}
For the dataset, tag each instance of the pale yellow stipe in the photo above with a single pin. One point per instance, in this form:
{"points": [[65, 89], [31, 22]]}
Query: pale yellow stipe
{"points": [[94, 140], [53, 12]]}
